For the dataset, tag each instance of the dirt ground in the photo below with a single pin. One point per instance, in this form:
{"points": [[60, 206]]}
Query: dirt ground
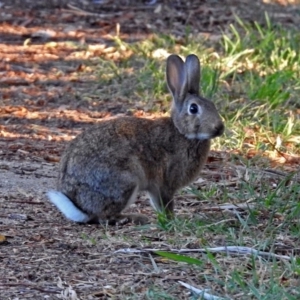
{"points": [[43, 104]]}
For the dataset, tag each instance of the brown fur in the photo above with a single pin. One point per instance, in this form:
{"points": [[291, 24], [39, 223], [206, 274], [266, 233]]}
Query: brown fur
{"points": [[105, 166]]}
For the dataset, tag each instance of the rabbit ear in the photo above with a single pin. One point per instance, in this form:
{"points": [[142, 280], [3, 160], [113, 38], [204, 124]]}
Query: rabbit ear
{"points": [[176, 78], [192, 66]]}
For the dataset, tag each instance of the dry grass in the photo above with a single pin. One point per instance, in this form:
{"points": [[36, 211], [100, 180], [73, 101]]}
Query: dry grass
{"points": [[247, 195]]}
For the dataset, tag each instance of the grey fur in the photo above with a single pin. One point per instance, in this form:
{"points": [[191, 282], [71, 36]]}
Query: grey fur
{"points": [[105, 166]]}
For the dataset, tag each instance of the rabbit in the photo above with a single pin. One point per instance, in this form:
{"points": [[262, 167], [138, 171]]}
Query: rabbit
{"points": [[103, 168]]}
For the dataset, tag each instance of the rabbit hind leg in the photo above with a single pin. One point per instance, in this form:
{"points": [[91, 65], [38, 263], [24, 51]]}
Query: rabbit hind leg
{"points": [[114, 215]]}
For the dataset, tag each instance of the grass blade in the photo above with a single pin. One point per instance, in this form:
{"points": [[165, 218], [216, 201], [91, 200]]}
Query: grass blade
{"points": [[179, 258]]}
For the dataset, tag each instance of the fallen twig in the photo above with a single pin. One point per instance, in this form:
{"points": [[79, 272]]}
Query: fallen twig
{"points": [[228, 206], [202, 293], [27, 202], [78, 11], [239, 250], [30, 286]]}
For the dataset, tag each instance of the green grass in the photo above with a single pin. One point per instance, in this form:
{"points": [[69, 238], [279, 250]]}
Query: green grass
{"points": [[252, 74]]}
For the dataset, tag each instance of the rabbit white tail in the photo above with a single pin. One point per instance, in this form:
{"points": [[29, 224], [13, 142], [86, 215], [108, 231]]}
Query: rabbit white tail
{"points": [[67, 207]]}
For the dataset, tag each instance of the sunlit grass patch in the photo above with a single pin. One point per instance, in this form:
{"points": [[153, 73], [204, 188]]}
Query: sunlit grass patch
{"points": [[263, 47], [261, 68]]}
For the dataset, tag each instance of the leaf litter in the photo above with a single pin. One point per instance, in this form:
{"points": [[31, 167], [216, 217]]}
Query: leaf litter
{"points": [[43, 255]]}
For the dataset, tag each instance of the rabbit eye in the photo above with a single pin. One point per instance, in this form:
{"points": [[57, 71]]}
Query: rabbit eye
{"points": [[193, 109]]}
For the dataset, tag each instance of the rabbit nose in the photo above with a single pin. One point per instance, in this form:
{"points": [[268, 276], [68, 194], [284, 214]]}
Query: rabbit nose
{"points": [[218, 129]]}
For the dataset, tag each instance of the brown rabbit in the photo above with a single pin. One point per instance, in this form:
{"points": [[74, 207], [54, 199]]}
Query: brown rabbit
{"points": [[105, 167]]}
